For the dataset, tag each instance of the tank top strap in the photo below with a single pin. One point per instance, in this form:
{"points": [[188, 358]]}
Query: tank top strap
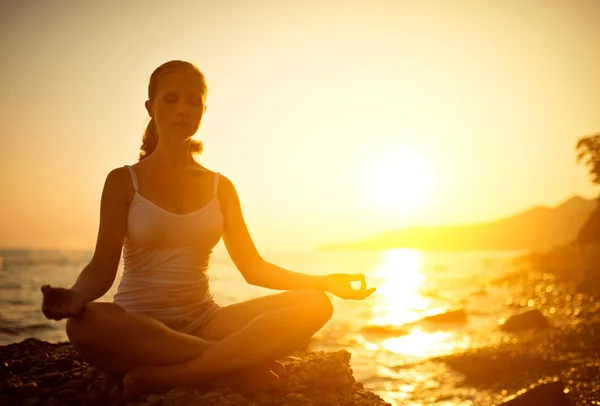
{"points": [[133, 177], [216, 183]]}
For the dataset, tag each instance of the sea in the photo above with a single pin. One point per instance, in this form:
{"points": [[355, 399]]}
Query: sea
{"points": [[393, 348]]}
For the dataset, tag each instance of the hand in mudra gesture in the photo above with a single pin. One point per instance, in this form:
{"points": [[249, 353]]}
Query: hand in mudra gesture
{"points": [[61, 303], [340, 285]]}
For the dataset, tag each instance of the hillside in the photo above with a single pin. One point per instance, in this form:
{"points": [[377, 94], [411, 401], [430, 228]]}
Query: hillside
{"points": [[538, 228]]}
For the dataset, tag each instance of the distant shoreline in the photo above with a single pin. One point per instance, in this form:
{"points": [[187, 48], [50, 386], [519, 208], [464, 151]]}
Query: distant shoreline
{"points": [[328, 247], [537, 229]]}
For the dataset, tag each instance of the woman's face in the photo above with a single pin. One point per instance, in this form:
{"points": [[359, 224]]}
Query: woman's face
{"points": [[178, 105]]}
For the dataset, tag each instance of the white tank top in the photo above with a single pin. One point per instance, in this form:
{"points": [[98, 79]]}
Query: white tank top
{"points": [[166, 256]]}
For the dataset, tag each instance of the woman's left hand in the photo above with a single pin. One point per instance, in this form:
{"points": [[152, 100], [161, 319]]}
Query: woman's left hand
{"points": [[339, 285]]}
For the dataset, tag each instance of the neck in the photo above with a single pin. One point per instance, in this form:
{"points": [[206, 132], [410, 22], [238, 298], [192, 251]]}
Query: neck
{"points": [[173, 156]]}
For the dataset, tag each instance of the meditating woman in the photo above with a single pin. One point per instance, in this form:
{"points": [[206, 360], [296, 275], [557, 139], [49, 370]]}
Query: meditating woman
{"points": [[166, 213]]}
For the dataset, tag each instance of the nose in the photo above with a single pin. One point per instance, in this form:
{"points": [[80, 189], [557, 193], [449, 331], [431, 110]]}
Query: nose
{"points": [[182, 106], [182, 110]]}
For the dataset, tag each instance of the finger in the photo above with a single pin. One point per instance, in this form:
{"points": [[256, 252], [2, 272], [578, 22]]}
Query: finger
{"points": [[370, 292], [346, 293], [48, 313], [56, 315], [50, 293], [361, 295], [358, 277]]}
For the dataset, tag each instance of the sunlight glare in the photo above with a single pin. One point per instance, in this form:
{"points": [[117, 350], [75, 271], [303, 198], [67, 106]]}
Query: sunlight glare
{"points": [[421, 344], [398, 282], [399, 182], [400, 302]]}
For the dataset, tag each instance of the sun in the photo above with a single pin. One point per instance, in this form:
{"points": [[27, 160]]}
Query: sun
{"points": [[399, 181]]}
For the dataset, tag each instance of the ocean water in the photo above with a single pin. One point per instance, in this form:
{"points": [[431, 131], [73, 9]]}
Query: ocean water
{"points": [[391, 347]]}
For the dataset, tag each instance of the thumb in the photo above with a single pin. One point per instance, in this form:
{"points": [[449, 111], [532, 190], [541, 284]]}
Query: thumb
{"points": [[369, 292]]}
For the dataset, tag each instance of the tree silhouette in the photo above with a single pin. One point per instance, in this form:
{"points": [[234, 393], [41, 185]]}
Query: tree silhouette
{"points": [[589, 150]]}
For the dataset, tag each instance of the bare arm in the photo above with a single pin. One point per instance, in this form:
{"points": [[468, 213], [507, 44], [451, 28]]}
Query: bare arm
{"points": [[241, 248], [99, 275]]}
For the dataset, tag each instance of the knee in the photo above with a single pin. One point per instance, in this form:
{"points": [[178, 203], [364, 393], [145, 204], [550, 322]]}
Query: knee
{"points": [[317, 305], [78, 327], [86, 328]]}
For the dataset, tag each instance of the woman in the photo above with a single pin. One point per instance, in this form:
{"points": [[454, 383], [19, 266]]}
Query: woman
{"points": [[166, 213]]}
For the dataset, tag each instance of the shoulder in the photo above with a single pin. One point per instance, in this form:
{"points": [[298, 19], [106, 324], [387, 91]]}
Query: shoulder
{"points": [[119, 182], [224, 183], [226, 192], [120, 175]]}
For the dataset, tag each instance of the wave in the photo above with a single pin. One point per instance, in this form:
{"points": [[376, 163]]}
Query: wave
{"points": [[30, 328], [24, 258]]}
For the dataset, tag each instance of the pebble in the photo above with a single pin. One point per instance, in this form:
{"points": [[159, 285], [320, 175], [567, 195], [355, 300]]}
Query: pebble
{"points": [[38, 373]]}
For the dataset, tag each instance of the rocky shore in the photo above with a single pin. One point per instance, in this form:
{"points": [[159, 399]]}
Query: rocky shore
{"points": [[553, 354], [35, 372]]}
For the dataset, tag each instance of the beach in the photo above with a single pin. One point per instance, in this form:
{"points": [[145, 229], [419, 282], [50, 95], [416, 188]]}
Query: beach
{"points": [[405, 354]]}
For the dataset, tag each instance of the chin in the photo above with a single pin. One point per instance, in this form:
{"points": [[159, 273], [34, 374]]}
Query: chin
{"points": [[184, 133]]}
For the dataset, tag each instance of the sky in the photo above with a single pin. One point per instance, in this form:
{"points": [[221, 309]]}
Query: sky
{"points": [[335, 120]]}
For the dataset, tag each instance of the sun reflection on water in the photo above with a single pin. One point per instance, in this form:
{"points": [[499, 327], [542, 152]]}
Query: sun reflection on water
{"points": [[399, 302], [398, 282], [394, 341], [423, 344]]}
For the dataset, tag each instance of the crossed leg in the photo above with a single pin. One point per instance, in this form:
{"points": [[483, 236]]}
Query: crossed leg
{"points": [[117, 341], [231, 319], [242, 335]]}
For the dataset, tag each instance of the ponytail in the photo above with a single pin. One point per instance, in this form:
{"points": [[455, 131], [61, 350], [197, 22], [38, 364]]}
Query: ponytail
{"points": [[150, 140]]}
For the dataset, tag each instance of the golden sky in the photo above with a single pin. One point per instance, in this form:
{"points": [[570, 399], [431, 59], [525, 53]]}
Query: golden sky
{"points": [[470, 109]]}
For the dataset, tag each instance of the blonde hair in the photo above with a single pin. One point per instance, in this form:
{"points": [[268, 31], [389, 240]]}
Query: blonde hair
{"points": [[150, 138]]}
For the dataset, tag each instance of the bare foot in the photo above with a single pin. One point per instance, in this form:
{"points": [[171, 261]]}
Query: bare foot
{"points": [[257, 377], [155, 378], [161, 379], [147, 380], [130, 385], [135, 385]]}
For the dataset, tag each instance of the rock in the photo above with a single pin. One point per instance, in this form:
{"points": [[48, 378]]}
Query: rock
{"points": [[331, 399], [547, 394], [41, 357], [51, 378], [33, 401], [453, 316], [526, 320], [16, 366], [263, 399], [383, 331], [35, 372]]}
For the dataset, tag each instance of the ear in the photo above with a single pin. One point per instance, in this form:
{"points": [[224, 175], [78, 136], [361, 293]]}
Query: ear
{"points": [[148, 106]]}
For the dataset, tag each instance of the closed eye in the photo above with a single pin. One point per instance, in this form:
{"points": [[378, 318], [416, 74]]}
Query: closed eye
{"points": [[195, 101]]}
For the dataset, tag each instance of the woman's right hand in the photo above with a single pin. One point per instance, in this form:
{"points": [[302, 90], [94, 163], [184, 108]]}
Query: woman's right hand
{"points": [[60, 303]]}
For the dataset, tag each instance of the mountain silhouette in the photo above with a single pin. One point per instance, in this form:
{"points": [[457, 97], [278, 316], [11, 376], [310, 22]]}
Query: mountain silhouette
{"points": [[538, 228]]}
